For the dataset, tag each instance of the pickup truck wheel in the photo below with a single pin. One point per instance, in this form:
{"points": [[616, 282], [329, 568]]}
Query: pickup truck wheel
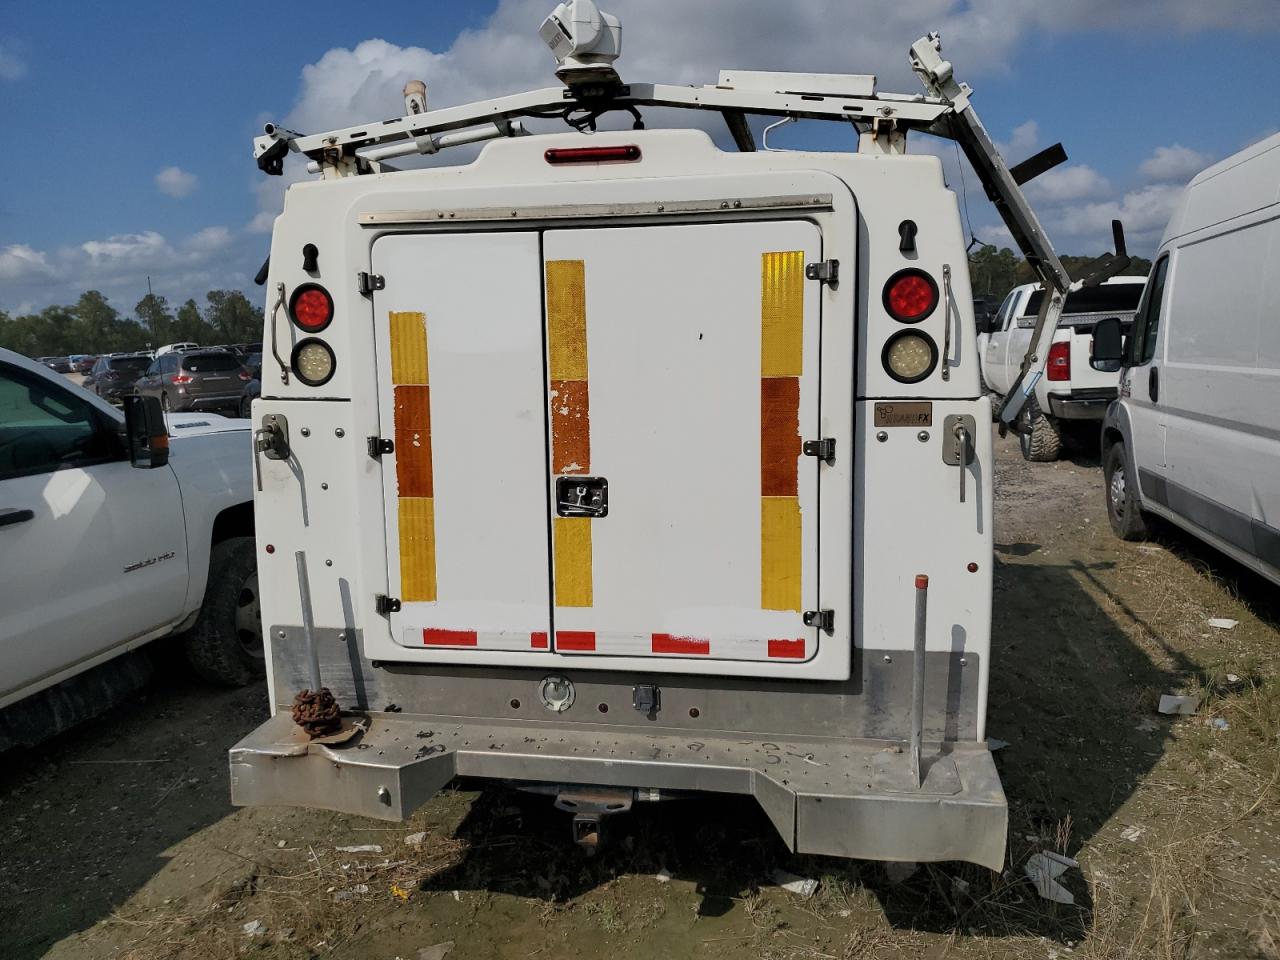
{"points": [[1126, 516], [245, 403], [225, 645], [1040, 439]]}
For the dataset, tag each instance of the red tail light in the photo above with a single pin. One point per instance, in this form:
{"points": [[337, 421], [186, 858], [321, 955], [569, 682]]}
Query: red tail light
{"points": [[910, 295], [181, 378], [1059, 366], [246, 376], [592, 154], [311, 307]]}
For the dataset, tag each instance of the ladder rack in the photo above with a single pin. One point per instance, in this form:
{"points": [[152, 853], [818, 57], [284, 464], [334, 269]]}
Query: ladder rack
{"points": [[944, 110]]}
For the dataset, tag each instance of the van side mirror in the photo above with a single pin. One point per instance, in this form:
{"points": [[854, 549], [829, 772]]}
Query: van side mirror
{"points": [[1107, 352], [145, 432]]}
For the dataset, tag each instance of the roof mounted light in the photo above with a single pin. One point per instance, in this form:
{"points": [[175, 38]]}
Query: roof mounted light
{"points": [[620, 154]]}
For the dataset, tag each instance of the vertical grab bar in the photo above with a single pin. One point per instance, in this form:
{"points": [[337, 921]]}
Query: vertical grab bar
{"points": [[917, 678], [275, 351], [946, 321]]}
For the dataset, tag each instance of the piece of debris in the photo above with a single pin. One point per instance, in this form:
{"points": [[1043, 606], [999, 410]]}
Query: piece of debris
{"points": [[1148, 725], [900, 873], [1044, 868], [804, 887], [995, 743], [960, 886], [1131, 833], [360, 848], [663, 875], [415, 839], [1222, 623], [1172, 703], [457, 895], [281, 844], [254, 928], [1218, 723], [1232, 678], [437, 951], [359, 890], [399, 892]]}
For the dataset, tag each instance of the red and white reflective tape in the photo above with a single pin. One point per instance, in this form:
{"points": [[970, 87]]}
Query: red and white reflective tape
{"points": [[593, 643]]}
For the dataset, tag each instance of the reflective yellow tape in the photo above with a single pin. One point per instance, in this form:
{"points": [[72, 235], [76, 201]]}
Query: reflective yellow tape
{"points": [[782, 314], [567, 319], [573, 561], [780, 553], [417, 549], [409, 348]]}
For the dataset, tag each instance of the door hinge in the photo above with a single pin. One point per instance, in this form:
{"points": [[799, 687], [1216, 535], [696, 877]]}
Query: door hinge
{"points": [[824, 620], [369, 282], [824, 449], [378, 446], [828, 271], [386, 605]]}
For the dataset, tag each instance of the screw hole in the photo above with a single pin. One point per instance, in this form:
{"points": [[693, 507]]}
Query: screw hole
{"points": [[603, 707], [515, 704], [695, 712]]}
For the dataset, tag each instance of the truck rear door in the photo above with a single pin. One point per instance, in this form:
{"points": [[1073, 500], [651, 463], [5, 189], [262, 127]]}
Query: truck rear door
{"points": [[683, 370], [597, 445]]}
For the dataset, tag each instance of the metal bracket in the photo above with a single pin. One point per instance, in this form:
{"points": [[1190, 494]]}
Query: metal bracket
{"points": [[824, 449], [386, 605], [824, 620], [366, 283], [826, 271], [378, 446], [646, 698]]}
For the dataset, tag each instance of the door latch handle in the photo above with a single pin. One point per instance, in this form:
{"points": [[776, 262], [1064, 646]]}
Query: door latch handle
{"points": [[582, 496], [271, 440], [10, 516], [958, 431]]}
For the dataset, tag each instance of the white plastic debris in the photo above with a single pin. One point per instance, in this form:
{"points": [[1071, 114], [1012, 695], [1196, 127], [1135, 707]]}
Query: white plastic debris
{"points": [[254, 928], [1171, 703], [281, 844], [1232, 678], [415, 839], [1218, 723], [1222, 623], [360, 848], [663, 875], [1044, 868], [359, 890], [457, 895], [995, 743], [1131, 834], [437, 951], [804, 887]]}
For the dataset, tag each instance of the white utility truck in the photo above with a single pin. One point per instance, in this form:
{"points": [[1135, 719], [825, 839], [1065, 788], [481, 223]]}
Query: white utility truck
{"points": [[1193, 437], [115, 529], [620, 467], [1071, 394]]}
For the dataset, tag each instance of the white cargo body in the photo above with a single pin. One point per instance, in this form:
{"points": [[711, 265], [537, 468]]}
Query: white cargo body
{"points": [[619, 465]]}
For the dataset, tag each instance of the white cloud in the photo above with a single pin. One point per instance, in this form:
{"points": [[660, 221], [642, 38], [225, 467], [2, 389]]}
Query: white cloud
{"points": [[176, 182], [12, 66], [1075, 181], [1174, 164], [18, 261]]}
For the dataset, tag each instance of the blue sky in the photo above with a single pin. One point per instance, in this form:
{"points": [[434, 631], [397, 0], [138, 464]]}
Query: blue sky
{"points": [[131, 122]]}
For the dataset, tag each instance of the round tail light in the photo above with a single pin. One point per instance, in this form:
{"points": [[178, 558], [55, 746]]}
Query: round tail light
{"points": [[910, 295], [313, 362], [311, 307], [910, 356]]}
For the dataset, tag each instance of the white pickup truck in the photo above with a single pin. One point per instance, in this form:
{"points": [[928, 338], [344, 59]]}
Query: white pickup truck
{"points": [[115, 529], [1070, 389]]}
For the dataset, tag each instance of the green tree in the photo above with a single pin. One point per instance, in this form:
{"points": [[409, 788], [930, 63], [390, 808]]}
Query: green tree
{"points": [[233, 318], [153, 313], [191, 327], [993, 272]]}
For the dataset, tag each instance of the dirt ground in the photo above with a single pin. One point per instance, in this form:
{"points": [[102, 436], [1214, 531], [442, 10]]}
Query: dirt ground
{"points": [[117, 840]]}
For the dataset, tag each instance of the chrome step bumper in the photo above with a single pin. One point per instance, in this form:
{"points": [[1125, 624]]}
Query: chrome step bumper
{"points": [[850, 798]]}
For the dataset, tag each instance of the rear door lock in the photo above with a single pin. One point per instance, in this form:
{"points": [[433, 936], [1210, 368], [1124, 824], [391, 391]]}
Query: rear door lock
{"points": [[582, 496]]}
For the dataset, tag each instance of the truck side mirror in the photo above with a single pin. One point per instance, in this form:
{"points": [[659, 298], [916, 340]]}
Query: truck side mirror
{"points": [[1107, 350], [145, 432]]}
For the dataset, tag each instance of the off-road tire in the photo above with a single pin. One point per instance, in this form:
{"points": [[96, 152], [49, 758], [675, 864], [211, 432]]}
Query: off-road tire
{"points": [[1126, 516], [1041, 441], [245, 408], [214, 645]]}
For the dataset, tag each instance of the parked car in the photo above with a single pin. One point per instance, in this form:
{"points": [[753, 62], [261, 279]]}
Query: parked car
{"points": [[83, 362], [113, 378], [199, 380], [58, 364], [1192, 437], [125, 535], [174, 348], [1070, 390], [253, 389]]}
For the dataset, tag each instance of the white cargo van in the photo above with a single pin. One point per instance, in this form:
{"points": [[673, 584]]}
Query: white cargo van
{"points": [[1195, 434], [619, 466]]}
